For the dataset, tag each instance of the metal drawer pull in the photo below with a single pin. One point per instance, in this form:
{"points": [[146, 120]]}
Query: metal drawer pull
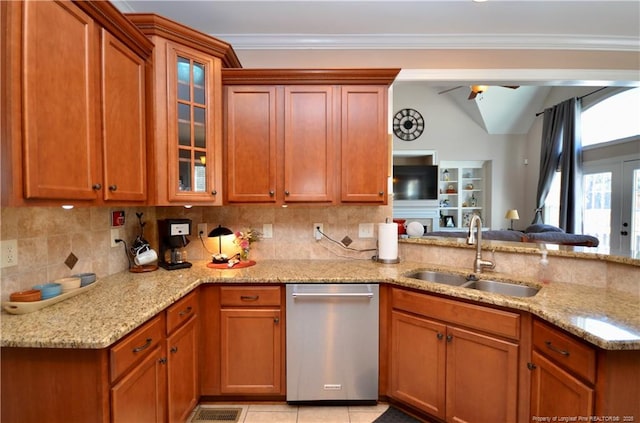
{"points": [[331, 294], [185, 311], [250, 297], [143, 347], [558, 350]]}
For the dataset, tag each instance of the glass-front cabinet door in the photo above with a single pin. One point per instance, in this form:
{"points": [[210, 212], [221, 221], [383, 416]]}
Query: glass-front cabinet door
{"points": [[194, 127]]}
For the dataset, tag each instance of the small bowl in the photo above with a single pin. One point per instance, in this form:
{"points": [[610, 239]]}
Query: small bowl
{"points": [[49, 290], [26, 296], [69, 284], [85, 278]]}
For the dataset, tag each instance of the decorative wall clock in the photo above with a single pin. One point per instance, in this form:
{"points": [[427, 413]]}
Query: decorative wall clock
{"points": [[408, 124]]}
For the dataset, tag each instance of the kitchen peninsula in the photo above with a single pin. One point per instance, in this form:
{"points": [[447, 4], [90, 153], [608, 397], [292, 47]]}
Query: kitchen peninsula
{"points": [[120, 304]]}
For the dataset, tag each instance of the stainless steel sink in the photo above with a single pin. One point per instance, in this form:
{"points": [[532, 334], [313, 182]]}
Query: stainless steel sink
{"points": [[439, 277], [503, 288]]}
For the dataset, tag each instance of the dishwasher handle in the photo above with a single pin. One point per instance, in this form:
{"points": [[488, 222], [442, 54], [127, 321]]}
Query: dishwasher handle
{"points": [[332, 294]]}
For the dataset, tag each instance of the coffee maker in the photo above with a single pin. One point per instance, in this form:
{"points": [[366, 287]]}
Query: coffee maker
{"points": [[173, 238]]}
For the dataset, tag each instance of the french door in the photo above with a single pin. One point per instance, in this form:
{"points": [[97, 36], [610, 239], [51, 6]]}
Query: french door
{"points": [[612, 205]]}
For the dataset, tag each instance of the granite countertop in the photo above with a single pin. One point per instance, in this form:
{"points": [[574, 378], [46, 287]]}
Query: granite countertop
{"points": [[120, 303]]}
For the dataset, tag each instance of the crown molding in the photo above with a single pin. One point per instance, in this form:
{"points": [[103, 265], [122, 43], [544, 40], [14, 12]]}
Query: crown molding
{"points": [[427, 41]]}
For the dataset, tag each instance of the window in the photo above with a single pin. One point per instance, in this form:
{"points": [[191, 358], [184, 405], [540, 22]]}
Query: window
{"points": [[614, 118]]}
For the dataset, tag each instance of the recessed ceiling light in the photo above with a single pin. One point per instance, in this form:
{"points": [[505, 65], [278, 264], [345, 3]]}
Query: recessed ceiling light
{"points": [[479, 1]]}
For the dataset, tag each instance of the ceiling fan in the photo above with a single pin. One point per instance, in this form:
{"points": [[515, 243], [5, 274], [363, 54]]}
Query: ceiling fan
{"points": [[477, 89]]}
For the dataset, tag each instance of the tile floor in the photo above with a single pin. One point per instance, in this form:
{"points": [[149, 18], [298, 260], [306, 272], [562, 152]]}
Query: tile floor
{"points": [[284, 413]]}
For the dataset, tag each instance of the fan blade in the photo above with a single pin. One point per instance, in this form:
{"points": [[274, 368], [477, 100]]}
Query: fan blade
{"points": [[513, 87], [450, 89], [472, 95]]}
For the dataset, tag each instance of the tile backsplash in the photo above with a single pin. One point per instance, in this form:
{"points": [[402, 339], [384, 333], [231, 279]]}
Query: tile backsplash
{"points": [[47, 235]]}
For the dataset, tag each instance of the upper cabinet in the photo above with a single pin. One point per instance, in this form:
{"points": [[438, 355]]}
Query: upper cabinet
{"points": [[306, 136], [73, 103], [185, 165]]}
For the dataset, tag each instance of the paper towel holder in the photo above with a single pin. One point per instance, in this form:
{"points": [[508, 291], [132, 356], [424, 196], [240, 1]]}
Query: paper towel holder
{"points": [[387, 261]]}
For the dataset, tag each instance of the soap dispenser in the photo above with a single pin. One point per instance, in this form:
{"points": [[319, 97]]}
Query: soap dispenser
{"points": [[543, 272]]}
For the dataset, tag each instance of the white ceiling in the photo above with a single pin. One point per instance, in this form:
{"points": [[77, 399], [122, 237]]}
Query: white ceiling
{"points": [[393, 33]]}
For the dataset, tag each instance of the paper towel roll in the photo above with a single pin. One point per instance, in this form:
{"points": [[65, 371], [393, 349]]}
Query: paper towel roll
{"points": [[388, 242]]}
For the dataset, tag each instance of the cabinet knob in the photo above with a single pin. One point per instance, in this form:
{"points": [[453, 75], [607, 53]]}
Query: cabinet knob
{"points": [[276, 320], [449, 338], [163, 360], [440, 336], [381, 193], [286, 193], [113, 187], [531, 366], [97, 187], [174, 350], [214, 192], [272, 193]]}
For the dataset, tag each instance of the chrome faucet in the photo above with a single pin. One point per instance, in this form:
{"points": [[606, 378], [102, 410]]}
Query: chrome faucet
{"points": [[479, 263]]}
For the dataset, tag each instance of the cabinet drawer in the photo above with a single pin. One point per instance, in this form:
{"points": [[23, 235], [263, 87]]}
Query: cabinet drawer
{"points": [[247, 296], [570, 353], [181, 311], [472, 316], [135, 346]]}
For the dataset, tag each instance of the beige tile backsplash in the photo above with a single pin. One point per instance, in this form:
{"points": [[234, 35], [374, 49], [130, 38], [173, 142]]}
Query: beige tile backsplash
{"points": [[47, 235]]}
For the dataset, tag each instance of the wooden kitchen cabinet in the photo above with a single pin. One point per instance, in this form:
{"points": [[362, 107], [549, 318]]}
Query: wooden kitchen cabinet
{"points": [[186, 153], [74, 130], [298, 121], [246, 353], [453, 360], [182, 358], [288, 134]]}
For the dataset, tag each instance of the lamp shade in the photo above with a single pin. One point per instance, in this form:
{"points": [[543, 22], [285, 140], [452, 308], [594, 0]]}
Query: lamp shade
{"points": [[512, 214], [220, 231]]}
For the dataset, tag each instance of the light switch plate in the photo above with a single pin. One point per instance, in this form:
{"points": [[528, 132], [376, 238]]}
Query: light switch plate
{"points": [[267, 231]]}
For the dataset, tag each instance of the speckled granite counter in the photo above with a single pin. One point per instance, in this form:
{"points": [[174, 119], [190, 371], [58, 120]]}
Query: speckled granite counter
{"points": [[122, 302]]}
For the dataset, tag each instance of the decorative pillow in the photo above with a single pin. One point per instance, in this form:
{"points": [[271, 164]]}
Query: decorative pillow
{"points": [[539, 227], [515, 236]]}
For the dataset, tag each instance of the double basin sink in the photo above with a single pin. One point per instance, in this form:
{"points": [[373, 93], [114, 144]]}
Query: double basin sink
{"points": [[471, 282]]}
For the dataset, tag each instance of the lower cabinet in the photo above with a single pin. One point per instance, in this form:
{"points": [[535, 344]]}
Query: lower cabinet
{"points": [[446, 361], [243, 336]]}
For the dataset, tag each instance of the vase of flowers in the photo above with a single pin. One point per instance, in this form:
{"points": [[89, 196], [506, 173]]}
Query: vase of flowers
{"points": [[244, 239]]}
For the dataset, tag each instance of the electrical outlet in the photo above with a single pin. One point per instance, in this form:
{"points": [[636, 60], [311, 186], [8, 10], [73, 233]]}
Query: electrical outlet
{"points": [[9, 250], [318, 235], [267, 231], [115, 234], [365, 230], [202, 229]]}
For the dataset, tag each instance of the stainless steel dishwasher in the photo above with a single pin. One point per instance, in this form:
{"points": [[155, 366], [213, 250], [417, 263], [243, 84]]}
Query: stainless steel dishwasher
{"points": [[332, 343]]}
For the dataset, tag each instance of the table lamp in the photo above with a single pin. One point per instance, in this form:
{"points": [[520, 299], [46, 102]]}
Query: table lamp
{"points": [[512, 215]]}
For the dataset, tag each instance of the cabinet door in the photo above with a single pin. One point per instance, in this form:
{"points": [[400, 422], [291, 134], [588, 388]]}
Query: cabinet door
{"points": [[251, 144], [193, 126], [418, 353], [554, 392], [309, 144], [482, 378], [182, 370], [251, 351], [364, 144], [123, 117], [140, 395], [60, 95]]}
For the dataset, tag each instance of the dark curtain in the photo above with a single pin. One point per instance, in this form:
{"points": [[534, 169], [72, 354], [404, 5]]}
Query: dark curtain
{"points": [[571, 167], [561, 149]]}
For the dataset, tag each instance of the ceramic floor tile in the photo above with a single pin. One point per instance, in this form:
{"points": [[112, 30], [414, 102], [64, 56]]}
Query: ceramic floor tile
{"points": [[271, 417], [363, 416], [273, 407], [323, 415]]}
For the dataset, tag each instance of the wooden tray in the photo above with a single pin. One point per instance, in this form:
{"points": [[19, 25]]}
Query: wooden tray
{"points": [[23, 307], [239, 265]]}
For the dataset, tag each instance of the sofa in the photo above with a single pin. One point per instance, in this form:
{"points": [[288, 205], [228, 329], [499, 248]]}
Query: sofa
{"points": [[538, 233]]}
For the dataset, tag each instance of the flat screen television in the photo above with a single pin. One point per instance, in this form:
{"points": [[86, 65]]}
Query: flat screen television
{"points": [[415, 182]]}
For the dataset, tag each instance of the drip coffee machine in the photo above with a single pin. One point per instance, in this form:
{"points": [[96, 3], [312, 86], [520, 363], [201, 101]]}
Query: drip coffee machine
{"points": [[173, 238]]}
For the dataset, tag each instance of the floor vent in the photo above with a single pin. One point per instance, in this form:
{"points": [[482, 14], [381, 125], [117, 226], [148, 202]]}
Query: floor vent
{"points": [[218, 415]]}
